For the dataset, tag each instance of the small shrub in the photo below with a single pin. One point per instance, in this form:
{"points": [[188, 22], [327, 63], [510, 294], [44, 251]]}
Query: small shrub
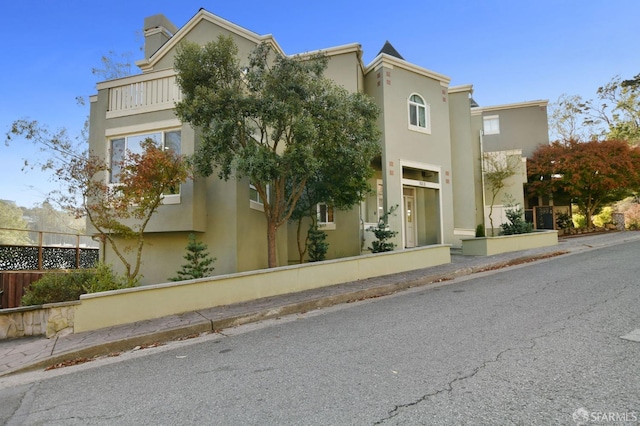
{"points": [[198, 261], [564, 221], [516, 224], [480, 231], [383, 233], [317, 245], [104, 279], [57, 287], [604, 218], [579, 220]]}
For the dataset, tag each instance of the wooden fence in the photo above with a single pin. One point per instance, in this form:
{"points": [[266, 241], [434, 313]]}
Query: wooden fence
{"points": [[13, 285], [26, 255]]}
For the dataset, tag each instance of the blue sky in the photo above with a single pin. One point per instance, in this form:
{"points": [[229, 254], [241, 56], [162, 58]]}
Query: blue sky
{"points": [[511, 51]]}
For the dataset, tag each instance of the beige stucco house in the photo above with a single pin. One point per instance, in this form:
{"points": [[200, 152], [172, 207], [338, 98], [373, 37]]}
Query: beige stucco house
{"points": [[433, 140]]}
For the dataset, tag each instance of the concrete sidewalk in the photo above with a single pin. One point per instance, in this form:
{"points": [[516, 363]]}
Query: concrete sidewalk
{"points": [[18, 355]]}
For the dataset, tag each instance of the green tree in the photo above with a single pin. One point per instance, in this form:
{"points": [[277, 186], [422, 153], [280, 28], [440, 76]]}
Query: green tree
{"points": [[613, 115], [383, 233], [11, 217], [567, 117], [56, 223], [618, 108], [317, 245], [198, 261], [594, 174], [340, 190], [273, 119]]}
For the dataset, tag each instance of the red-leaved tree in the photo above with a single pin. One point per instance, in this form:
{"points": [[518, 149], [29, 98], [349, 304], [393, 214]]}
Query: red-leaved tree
{"points": [[594, 174], [119, 212]]}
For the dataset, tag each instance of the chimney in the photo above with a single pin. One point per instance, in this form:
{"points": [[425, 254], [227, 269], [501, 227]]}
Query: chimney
{"points": [[157, 31]]}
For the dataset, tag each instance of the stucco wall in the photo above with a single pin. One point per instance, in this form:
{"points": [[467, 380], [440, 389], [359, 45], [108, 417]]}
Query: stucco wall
{"points": [[392, 86], [204, 32], [488, 246], [465, 159], [345, 70], [343, 236], [106, 309], [521, 127]]}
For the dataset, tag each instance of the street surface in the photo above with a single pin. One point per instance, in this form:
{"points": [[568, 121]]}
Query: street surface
{"points": [[537, 344]]}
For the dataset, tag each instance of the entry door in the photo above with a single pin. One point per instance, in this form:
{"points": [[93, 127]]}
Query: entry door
{"points": [[409, 218]]}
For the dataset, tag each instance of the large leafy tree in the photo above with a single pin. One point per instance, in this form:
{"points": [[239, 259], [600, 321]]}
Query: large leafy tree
{"points": [[613, 115], [594, 174], [330, 184], [12, 222], [567, 117], [277, 121], [119, 212]]}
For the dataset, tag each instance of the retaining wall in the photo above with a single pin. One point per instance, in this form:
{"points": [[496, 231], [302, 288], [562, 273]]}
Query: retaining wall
{"points": [[487, 246], [106, 309]]}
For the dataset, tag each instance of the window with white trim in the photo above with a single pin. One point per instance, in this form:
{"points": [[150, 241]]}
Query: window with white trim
{"points": [[167, 139], [255, 200], [325, 213], [419, 114], [491, 125], [325, 216], [254, 195]]}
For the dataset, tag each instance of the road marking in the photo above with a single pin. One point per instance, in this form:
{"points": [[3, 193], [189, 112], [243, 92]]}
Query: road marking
{"points": [[634, 336]]}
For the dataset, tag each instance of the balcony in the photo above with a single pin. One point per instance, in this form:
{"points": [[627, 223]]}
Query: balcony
{"points": [[142, 93]]}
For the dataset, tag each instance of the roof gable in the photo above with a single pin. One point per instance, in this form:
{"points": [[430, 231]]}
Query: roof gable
{"points": [[204, 15]]}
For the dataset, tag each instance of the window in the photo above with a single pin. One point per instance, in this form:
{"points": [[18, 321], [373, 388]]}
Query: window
{"points": [[325, 216], [325, 213], [419, 114], [254, 195], [255, 200], [170, 140], [491, 125]]}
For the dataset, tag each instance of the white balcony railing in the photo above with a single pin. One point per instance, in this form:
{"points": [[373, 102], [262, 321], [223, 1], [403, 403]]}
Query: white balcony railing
{"points": [[142, 93]]}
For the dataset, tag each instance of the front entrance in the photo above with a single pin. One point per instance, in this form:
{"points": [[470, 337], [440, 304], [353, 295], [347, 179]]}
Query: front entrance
{"points": [[409, 199]]}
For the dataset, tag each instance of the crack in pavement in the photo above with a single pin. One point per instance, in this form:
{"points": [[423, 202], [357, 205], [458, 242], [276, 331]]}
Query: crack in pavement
{"points": [[22, 412], [449, 387], [533, 343]]}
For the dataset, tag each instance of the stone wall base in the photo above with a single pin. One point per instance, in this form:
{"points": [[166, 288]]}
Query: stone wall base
{"points": [[50, 320]]}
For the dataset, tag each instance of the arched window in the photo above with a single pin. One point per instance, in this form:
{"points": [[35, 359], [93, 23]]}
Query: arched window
{"points": [[419, 114]]}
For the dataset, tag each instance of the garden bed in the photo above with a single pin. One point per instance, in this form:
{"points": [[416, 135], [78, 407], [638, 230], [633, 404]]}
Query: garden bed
{"points": [[487, 246]]}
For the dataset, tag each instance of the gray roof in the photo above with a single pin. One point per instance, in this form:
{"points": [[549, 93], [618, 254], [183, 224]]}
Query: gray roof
{"points": [[390, 50]]}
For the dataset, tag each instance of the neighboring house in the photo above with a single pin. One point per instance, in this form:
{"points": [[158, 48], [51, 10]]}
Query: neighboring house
{"points": [[520, 126], [506, 131], [430, 167]]}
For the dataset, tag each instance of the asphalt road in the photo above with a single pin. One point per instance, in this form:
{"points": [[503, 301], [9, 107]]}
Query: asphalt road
{"points": [[537, 344]]}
